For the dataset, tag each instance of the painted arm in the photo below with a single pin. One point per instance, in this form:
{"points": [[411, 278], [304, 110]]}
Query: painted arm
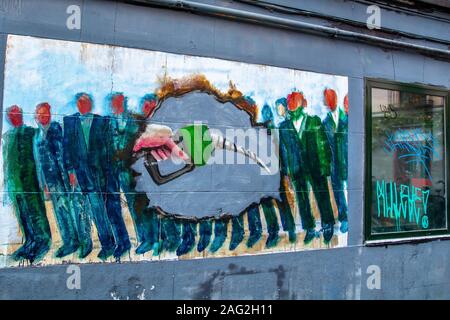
{"points": [[67, 157], [66, 146], [324, 148], [284, 154], [5, 146], [39, 172], [59, 155]]}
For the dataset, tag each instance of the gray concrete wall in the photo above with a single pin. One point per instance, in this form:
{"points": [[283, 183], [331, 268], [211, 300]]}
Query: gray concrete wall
{"points": [[407, 271]]}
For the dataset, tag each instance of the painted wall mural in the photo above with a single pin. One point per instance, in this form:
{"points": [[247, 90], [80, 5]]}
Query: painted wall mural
{"points": [[117, 154]]}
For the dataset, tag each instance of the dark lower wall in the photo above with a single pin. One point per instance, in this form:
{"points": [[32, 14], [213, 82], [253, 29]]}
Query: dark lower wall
{"points": [[407, 271]]}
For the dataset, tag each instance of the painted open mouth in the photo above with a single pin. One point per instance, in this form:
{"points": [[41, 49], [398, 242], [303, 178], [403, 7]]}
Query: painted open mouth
{"points": [[199, 155]]}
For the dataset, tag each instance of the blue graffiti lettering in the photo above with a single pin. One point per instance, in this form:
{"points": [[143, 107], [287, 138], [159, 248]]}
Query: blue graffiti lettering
{"points": [[414, 146], [402, 202]]}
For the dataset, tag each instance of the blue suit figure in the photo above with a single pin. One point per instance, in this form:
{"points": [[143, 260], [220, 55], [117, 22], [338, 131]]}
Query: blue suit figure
{"points": [[48, 150], [126, 128], [85, 154], [336, 128], [287, 219], [111, 171]]}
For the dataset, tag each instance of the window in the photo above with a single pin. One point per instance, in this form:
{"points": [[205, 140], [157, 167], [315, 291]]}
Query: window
{"points": [[406, 167]]}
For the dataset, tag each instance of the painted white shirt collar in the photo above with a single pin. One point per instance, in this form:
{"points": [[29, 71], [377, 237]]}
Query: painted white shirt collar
{"points": [[298, 123], [335, 115]]}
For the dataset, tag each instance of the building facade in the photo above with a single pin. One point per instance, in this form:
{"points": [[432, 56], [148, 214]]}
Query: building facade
{"points": [[334, 114]]}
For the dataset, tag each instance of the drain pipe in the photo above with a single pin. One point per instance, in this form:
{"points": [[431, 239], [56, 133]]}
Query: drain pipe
{"points": [[267, 20]]}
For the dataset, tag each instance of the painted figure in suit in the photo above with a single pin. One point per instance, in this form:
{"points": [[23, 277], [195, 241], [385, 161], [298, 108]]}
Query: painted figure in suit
{"points": [[336, 127], [126, 128], [111, 172], [286, 216], [48, 150], [305, 157], [267, 204], [85, 154], [23, 188]]}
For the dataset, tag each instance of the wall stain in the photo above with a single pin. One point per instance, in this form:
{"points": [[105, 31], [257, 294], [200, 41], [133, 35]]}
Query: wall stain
{"points": [[282, 293], [132, 290], [207, 288]]}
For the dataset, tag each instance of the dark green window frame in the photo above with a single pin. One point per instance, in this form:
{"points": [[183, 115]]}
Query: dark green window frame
{"points": [[402, 235]]}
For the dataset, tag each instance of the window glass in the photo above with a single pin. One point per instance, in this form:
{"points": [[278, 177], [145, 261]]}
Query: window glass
{"points": [[408, 162]]}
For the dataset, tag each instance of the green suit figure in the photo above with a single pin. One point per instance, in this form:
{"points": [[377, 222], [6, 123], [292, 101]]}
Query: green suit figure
{"points": [[22, 184], [306, 157]]}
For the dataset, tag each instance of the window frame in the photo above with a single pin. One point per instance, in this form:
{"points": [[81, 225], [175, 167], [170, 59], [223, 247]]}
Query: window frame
{"points": [[401, 236]]}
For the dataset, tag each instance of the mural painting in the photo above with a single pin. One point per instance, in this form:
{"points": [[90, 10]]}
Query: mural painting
{"points": [[117, 154]]}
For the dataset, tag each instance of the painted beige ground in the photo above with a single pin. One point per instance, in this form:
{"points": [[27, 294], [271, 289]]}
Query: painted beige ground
{"points": [[339, 240]]}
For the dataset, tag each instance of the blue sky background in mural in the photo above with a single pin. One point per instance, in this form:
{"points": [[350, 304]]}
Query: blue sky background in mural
{"points": [[42, 70], [54, 71]]}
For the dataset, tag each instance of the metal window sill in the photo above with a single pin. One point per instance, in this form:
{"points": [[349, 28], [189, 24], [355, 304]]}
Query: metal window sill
{"points": [[384, 242]]}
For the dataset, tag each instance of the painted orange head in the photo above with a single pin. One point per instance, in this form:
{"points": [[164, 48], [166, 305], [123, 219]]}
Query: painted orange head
{"points": [[330, 99], [295, 100], [346, 104], [43, 114], [84, 103], [15, 117], [148, 106], [118, 103]]}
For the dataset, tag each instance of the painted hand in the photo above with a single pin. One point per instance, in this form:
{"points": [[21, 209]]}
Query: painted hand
{"points": [[158, 140], [72, 179]]}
